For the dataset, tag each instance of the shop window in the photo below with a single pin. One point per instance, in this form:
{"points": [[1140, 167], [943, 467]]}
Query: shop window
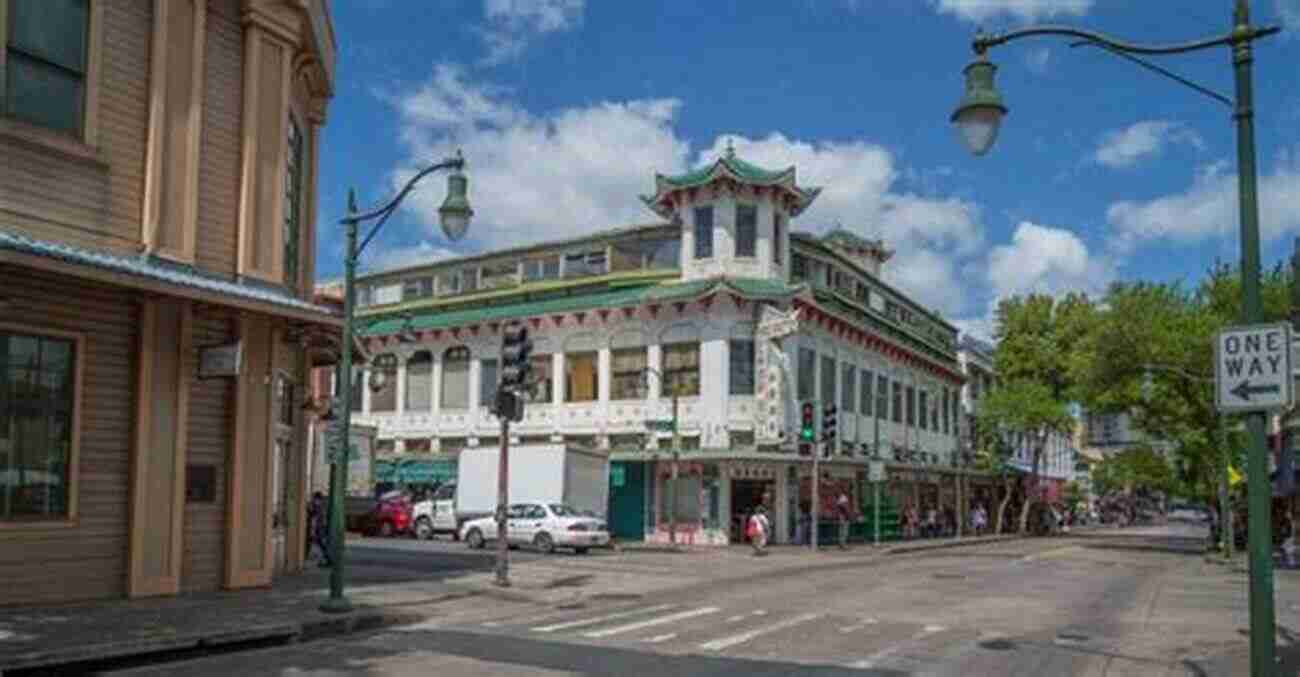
{"points": [[45, 63], [543, 379], [742, 438], [421, 445], [746, 230], [849, 389], [36, 400], [807, 378], [385, 399], [453, 444], [581, 377], [627, 442], [828, 380], [688, 499], [487, 383], [703, 232], [741, 357], [455, 378], [627, 366], [681, 369], [419, 382], [385, 447], [547, 268]]}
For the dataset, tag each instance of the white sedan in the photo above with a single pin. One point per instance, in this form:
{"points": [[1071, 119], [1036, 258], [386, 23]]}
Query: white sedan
{"points": [[545, 526]]}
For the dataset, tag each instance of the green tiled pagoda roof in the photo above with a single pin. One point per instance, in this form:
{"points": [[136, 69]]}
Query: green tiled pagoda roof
{"points": [[728, 166], [606, 297]]}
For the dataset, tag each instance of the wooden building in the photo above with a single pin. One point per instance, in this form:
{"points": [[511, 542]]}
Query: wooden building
{"points": [[157, 202]]}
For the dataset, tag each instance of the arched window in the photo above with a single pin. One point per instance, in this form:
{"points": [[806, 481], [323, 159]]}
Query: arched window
{"points": [[455, 378], [385, 399], [419, 382]]}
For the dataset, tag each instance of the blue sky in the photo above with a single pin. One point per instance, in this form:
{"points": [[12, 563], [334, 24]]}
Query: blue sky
{"points": [[565, 109]]}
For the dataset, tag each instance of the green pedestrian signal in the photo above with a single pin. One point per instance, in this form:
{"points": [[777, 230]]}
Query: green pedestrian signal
{"points": [[808, 422]]}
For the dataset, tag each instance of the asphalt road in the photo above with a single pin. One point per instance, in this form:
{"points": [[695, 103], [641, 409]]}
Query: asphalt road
{"points": [[1138, 602]]}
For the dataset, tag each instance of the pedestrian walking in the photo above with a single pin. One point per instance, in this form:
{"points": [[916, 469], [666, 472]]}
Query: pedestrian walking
{"points": [[931, 522], [1288, 546], [757, 531], [843, 512], [319, 526]]}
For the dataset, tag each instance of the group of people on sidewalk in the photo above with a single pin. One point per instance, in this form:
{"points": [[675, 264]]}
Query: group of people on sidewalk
{"points": [[318, 529], [758, 528]]}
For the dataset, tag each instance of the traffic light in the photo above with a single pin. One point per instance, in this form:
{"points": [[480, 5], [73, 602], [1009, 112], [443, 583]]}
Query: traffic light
{"points": [[807, 422], [828, 422], [516, 354]]}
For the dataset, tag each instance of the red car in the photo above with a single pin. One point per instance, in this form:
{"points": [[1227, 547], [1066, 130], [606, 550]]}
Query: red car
{"points": [[389, 517]]}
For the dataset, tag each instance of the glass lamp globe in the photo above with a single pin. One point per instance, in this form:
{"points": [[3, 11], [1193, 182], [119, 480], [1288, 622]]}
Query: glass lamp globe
{"points": [[979, 114]]}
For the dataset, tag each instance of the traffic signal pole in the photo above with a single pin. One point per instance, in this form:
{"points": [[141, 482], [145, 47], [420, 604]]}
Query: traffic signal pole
{"points": [[503, 500], [816, 494], [516, 353]]}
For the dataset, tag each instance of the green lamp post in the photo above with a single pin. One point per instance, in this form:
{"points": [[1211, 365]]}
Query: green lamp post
{"points": [[978, 117], [454, 215]]}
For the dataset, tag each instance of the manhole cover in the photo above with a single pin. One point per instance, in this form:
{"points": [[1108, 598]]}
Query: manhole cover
{"points": [[997, 645]]}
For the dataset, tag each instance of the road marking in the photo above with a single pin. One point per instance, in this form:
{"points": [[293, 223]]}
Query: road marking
{"points": [[661, 638], [741, 617], [858, 626], [662, 620], [720, 644], [874, 659], [602, 619]]}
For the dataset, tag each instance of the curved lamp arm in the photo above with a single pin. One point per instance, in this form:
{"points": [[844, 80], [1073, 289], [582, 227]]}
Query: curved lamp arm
{"points": [[1241, 34], [384, 211]]}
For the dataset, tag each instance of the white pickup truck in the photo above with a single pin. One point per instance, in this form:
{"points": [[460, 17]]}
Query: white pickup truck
{"points": [[542, 473]]}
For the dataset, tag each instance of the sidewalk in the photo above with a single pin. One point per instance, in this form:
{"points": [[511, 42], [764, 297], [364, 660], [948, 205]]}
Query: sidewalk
{"points": [[289, 611]]}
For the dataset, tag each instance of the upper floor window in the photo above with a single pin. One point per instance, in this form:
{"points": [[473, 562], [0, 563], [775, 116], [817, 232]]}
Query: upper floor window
{"points": [[925, 409], [746, 230], [37, 394], [581, 377], [487, 382], [741, 353], [419, 382], [798, 267], [657, 253], [449, 283], [547, 268], [385, 399], [807, 377], [585, 264], [681, 369], [293, 180], [542, 375], [946, 428], [45, 63], [867, 384], [500, 274], [898, 402], [849, 388], [882, 396], [911, 405], [828, 379], [626, 366], [703, 232], [778, 237], [455, 378], [417, 288]]}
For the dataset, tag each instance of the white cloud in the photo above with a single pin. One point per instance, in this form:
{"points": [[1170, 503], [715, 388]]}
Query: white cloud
{"points": [[1038, 59], [1023, 10], [578, 170], [1209, 207], [511, 24], [1288, 11], [1045, 260], [1125, 147]]}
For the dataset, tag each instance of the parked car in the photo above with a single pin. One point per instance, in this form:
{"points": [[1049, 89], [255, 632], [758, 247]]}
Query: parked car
{"points": [[391, 516], [1181, 512], [545, 526]]}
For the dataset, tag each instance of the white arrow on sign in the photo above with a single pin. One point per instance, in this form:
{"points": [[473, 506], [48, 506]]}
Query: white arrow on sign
{"points": [[1253, 370]]}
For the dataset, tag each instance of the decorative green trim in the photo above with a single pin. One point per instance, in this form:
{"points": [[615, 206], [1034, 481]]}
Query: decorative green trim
{"points": [[728, 166], [835, 303], [625, 278]]}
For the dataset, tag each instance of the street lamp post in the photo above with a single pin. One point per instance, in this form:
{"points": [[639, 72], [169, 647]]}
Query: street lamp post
{"points": [[455, 214], [978, 117]]}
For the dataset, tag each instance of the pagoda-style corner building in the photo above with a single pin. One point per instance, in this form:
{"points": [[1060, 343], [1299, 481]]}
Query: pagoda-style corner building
{"points": [[695, 298]]}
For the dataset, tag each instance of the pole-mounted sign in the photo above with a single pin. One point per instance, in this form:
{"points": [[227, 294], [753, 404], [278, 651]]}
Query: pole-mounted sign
{"points": [[1252, 368]]}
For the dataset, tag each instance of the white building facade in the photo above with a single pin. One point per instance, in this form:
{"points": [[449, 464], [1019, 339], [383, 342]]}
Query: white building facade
{"points": [[624, 319]]}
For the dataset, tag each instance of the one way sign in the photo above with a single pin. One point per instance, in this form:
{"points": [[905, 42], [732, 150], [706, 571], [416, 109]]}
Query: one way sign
{"points": [[1252, 368]]}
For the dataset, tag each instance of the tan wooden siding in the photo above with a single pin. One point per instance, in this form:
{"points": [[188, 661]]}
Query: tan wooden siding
{"points": [[124, 110], [219, 158], [211, 418], [87, 560]]}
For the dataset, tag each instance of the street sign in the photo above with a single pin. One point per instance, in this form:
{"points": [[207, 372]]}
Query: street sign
{"points": [[876, 471], [775, 324], [1252, 368]]}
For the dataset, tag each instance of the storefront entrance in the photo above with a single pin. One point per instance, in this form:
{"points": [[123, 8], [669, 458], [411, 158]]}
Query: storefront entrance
{"points": [[627, 500], [746, 495]]}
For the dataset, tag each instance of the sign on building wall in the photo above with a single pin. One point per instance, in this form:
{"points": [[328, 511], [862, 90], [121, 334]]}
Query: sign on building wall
{"points": [[221, 360], [771, 369]]}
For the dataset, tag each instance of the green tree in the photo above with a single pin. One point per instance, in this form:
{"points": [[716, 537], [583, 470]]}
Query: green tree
{"points": [[1131, 470], [1036, 360], [1014, 415]]}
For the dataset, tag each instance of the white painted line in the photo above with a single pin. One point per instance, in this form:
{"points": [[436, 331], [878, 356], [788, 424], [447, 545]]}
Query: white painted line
{"points": [[733, 619], [858, 626], [760, 612], [874, 659], [931, 629], [602, 619], [662, 620], [662, 638], [720, 644]]}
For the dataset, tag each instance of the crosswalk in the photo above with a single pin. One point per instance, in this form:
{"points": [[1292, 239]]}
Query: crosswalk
{"points": [[797, 635]]}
